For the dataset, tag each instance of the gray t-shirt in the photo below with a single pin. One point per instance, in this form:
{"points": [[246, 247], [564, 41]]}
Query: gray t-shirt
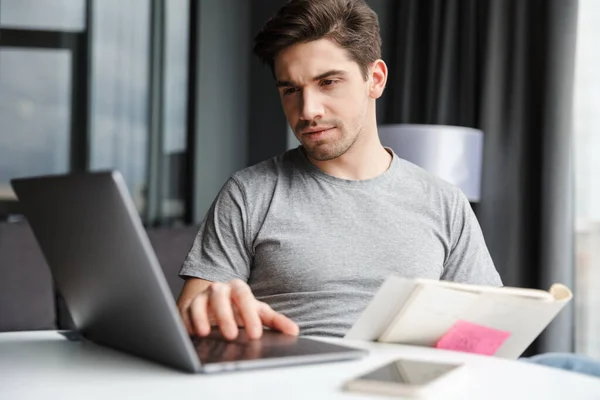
{"points": [[316, 248]]}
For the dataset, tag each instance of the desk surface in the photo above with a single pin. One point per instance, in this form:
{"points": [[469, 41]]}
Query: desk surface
{"points": [[44, 365]]}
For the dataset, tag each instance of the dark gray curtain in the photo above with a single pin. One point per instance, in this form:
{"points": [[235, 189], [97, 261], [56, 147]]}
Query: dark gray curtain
{"points": [[506, 67]]}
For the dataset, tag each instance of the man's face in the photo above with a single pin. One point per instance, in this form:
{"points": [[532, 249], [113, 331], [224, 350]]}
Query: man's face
{"points": [[324, 96]]}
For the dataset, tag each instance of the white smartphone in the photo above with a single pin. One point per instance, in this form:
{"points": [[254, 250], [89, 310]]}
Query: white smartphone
{"points": [[406, 377]]}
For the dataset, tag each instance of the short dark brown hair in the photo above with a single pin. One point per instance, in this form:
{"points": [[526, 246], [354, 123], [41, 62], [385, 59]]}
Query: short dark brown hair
{"points": [[352, 24]]}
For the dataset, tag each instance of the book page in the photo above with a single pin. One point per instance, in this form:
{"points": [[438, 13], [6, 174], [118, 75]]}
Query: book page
{"points": [[386, 303], [561, 292], [421, 311], [525, 319], [428, 314], [504, 290]]}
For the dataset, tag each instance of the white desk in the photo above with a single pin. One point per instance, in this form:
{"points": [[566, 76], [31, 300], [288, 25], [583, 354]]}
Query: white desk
{"points": [[44, 365]]}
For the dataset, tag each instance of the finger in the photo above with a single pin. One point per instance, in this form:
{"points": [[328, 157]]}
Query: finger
{"points": [[277, 321], [184, 311], [236, 315], [246, 305], [238, 318], [220, 304], [199, 316]]}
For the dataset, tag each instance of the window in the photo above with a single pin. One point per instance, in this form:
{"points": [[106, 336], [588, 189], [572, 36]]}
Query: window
{"points": [[35, 95], [121, 41], [41, 89], [77, 82], [119, 98], [175, 105], [60, 15], [587, 179]]}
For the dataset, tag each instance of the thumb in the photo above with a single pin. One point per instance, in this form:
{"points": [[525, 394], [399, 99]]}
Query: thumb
{"points": [[275, 320]]}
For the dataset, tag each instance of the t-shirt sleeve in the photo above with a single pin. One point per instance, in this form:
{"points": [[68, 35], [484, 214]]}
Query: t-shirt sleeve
{"points": [[220, 250], [469, 260]]}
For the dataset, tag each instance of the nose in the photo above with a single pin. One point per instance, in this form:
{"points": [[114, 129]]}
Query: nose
{"points": [[311, 107]]}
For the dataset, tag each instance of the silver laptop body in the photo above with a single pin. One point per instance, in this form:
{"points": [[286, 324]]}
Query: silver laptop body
{"points": [[105, 268]]}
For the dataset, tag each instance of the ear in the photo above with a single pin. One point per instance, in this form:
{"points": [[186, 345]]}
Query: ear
{"points": [[378, 79]]}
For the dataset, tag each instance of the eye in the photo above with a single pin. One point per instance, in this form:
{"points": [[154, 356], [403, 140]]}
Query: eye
{"points": [[328, 82], [289, 91]]}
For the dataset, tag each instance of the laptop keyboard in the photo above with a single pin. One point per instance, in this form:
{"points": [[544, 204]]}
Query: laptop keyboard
{"points": [[215, 348]]}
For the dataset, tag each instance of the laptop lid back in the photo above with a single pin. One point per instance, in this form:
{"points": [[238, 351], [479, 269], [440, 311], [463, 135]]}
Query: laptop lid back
{"points": [[91, 235]]}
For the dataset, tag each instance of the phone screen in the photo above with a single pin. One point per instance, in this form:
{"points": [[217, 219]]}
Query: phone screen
{"points": [[410, 372]]}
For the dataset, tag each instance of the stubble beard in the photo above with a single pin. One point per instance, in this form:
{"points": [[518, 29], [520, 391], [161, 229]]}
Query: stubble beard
{"points": [[331, 149]]}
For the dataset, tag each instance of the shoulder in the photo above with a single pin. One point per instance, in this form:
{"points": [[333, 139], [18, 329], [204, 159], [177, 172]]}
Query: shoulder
{"points": [[428, 185], [266, 174], [434, 196]]}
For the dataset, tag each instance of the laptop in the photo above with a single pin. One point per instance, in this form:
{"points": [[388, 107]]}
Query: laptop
{"points": [[104, 266]]}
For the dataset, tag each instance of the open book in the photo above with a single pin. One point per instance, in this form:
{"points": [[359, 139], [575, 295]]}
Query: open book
{"points": [[429, 313]]}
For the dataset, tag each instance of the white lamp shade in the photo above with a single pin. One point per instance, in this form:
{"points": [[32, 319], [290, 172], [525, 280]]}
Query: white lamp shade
{"points": [[453, 153]]}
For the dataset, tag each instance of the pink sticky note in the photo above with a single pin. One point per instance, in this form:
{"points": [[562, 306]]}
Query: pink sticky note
{"points": [[472, 338]]}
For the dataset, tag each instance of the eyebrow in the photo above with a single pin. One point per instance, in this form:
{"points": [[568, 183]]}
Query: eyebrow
{"points": [[324, 75]]}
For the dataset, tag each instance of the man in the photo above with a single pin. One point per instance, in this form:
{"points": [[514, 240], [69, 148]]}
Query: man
{"points": [[301, 242]]}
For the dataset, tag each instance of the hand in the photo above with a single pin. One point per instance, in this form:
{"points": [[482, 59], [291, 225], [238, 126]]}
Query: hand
{"points": [[229, 306]]}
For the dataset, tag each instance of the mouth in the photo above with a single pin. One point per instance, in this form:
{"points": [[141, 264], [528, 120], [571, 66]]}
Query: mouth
{"points": [[317, 134]]}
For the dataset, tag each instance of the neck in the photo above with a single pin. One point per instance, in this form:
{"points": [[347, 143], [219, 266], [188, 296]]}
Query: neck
{"points": [[365, 159]]}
